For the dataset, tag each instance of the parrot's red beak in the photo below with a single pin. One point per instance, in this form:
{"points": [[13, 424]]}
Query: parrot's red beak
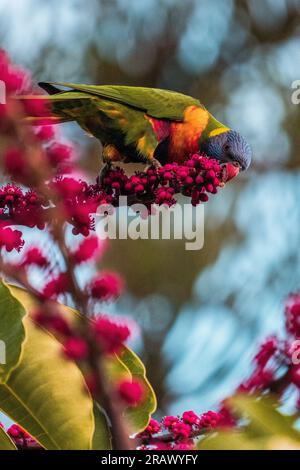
{"points": [[229, 171]]}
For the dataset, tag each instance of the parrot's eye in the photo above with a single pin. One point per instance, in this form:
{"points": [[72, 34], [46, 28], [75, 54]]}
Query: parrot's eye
{"points": [[228, 153]]}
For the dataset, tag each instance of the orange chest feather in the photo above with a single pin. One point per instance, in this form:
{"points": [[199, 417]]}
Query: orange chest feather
{"points": [[184, 136]]}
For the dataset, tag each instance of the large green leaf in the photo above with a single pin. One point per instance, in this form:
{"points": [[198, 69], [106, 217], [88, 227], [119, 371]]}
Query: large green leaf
{"points": [[45, 393], [12, 332], [5, 441], [126, 365]]}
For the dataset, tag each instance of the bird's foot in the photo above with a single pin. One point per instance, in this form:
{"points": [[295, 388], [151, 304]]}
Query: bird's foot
{"points": [[154, 163], [104, 171]]}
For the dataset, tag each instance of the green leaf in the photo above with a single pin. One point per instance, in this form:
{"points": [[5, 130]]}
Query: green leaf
{"points": [[45, 393], [102, 437], [139, 416], [12, 332], [232, 440], [265, 419], [264, 427], [5, 441], [229, 440], [126, 365]]}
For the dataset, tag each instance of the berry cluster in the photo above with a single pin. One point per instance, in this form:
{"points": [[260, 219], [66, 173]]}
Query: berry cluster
{"points": [[80, 200], [277, 364], [276, 370], [292, 315], [178, 433], [195, 178], [21, 207]]}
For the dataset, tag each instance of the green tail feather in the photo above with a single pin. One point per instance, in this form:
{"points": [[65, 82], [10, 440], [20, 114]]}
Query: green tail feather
{"points": [[60, 107], [46, 120]]}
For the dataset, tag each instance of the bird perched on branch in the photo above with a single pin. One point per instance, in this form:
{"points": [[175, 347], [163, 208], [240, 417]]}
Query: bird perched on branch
{"points": [[136, 124]]}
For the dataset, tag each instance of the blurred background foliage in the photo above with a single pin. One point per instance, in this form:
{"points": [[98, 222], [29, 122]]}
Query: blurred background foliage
{"points": [[201, 313]]}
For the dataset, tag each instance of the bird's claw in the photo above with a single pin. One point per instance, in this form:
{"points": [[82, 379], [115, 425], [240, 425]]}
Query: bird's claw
{"points": [[154, 163], [104, 171]]}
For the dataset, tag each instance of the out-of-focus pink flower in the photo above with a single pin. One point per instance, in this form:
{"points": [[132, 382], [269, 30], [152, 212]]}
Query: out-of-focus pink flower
{"points": [[15, 78], [57, 285], [91, 382], [111, 335], [267, 351], [45, 133], [34, 256], [69, 187], [76, 348], [292, 314], [131, 392], [53, 321], [21, 438], [3, 113], [15, 162], [106, 286], [36, 107], [295, 375], [16, 431], [88, 249], [58, 154], [259, 380], [226, 418], [11, 239]]}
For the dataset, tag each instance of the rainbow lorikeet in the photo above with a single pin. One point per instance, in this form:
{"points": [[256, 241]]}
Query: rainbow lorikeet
{"points": [[136, 124]]}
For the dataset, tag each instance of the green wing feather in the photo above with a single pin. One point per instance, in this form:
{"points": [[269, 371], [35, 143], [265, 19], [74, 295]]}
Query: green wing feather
{"points": [[115, 114], [157, 103]]}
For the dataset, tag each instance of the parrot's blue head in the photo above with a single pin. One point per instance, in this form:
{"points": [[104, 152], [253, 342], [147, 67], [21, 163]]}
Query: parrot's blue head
{"points": [[228, 146]]}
